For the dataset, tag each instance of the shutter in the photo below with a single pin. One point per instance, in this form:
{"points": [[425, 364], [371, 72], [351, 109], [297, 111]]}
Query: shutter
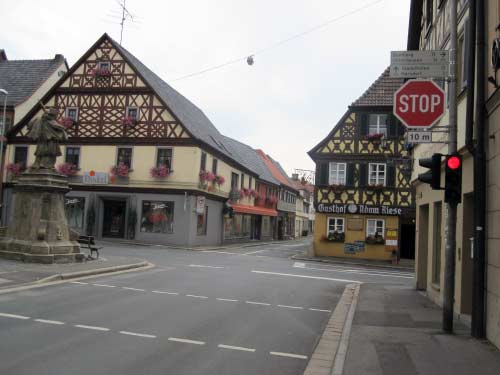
{"points": [[363, 175], [323, 173], [363, 124], [350, 174], [392, 125], [391, 176]]}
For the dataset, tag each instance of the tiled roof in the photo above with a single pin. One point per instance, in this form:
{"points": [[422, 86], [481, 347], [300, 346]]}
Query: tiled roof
{"points": [[21, 78], [381, 92], [276, 170], [248, 157]]}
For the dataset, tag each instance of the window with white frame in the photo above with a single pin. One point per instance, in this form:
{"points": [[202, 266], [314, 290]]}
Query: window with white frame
{"points": [[376, 174], [335, 225], [375, 228], [104, 65], [72, 113], [337, 175], [377, 124], [133, 113]]}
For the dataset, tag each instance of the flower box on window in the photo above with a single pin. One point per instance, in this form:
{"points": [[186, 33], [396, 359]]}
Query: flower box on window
{"points": [[271, 199], [67, 169], [129, 121], [67, 122], [206, 176], [14, 169], [375, 136], [219, 180], [101, 72], [375, 240], [159, 172], [335, 237], [255, 194], [377, 187], [120, 170]]}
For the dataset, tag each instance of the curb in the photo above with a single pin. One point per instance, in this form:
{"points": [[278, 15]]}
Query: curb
{"points": [[329, 356], [64, 277], [335, 261]]}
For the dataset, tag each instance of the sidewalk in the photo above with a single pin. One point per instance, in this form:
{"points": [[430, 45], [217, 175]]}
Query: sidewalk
{"points": [[404, 265], [397, 331], [15, 274]]}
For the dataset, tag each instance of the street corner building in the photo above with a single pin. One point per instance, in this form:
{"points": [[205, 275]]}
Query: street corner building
{"points": [[143, 162], [363, 197]]}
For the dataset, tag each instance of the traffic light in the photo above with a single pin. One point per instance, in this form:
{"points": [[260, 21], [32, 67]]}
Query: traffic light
{"points": [[453, 179], [433, 175]]}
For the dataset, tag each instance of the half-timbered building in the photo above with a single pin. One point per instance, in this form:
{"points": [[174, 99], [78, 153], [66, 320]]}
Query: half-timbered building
{"points": [[363, 198], [143, 161]]}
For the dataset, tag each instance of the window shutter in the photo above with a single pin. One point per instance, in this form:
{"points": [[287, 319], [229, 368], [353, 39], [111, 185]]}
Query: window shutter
{"points": [[350, 174], [363, 124], [363, 174], [392, 125], [391, 176], [323, 173]]}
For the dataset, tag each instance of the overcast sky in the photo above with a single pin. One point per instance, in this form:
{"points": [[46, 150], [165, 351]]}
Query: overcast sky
{"points": [[285, 103]]}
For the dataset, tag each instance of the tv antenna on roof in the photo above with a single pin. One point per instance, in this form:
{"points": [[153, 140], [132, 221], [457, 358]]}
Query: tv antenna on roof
{"points": [[126, 15]]}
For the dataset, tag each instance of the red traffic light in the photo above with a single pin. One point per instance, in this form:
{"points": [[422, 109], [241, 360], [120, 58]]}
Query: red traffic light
{"points": [[453, 162]]}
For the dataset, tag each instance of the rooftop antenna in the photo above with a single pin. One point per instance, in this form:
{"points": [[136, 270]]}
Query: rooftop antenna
{"points": [[125, 15]]}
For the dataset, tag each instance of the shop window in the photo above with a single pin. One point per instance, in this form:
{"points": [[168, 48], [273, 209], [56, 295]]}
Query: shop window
{"points": [[73, 156], [21, 156], [376, 174], [157, 217], [124, 156], [377, 124], [337, 174], [75, 211], [375, 228], [164, 158], [201, 223], [335, 225]]}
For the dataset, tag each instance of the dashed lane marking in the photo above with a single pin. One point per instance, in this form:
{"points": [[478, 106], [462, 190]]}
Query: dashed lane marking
{"points": [[55, 322], [14, 316], [95, 328], [404, 275], [203, 266], [291, 307], [161, 292], [78, 282], [241, 348], [186, 341], [138, 334], [255, 252], [289, 355], [105, 285], [227, 299], [258, 303], [307, 277], [194, 296], [136, 289], [321, 310]]}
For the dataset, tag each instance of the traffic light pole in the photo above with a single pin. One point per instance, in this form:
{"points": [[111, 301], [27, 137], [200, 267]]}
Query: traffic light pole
{"points": [[451, 209]]}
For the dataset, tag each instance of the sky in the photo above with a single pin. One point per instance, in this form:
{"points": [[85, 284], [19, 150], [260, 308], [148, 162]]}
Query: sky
{"points": [[285, 103]]}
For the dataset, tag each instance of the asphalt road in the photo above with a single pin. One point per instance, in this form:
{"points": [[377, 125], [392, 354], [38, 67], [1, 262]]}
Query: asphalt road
{"points": [[241, 311]]}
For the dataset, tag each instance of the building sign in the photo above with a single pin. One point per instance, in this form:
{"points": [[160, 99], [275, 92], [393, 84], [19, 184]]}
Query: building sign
{"points": [[360, 209], [200, 204], [95, 178], [355, 223]]}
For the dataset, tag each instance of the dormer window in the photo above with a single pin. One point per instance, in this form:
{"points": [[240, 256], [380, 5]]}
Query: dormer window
{"points": [[377, 124], [104, 65]]}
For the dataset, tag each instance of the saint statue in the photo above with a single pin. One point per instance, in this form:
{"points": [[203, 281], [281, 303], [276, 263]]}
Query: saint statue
{"points": [[47, 133]]}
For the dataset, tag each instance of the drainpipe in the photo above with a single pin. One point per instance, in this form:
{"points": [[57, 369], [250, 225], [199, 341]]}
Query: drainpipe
{"points": [[471, 47], [478, 292]]}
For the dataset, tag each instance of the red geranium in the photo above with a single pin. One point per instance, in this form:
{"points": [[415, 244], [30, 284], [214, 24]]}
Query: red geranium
{"points": [[120, 170], [159, 172], [67, 169]]}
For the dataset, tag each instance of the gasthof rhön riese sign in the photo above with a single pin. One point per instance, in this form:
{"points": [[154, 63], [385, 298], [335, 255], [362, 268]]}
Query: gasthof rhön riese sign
{"points": [[358, 209]]}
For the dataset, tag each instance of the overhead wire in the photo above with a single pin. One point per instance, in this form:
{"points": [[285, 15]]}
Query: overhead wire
{"points": [[279, 43]]}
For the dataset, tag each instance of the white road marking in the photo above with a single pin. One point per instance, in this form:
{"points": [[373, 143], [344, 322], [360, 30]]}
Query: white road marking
{"points": [[299, 265], [56, 322], [138, 334], [255, 252], [290, 355], [219, 252], [291, 307], [360, 272], [105, 285], [92, 327], [78, 282], [236, 348], [321, 310], [186, 341], [307, 277], [202, 266], [14, 316], [136, 289], [160, 292], [258, 303], [227, 299], [194, 296]]}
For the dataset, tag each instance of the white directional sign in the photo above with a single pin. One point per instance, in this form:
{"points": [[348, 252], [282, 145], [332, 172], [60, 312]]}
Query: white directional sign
{"points": [[419, 136], [420, 64]]}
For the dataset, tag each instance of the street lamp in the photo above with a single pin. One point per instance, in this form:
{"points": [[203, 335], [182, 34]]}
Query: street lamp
{"points": [[2, 131]]}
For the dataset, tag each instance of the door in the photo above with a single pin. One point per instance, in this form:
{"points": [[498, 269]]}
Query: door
{"points": [[113, 224], [407, 241]]}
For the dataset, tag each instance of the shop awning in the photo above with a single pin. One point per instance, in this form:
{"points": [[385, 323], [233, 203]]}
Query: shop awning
{"points": [[241, 208]]}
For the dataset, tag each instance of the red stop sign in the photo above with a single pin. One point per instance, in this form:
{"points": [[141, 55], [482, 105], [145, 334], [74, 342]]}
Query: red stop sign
{"points": [[419, 103]]}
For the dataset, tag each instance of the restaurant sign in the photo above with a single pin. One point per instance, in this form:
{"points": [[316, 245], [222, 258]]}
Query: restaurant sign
{"points": [[95, 178], [359, 209]]}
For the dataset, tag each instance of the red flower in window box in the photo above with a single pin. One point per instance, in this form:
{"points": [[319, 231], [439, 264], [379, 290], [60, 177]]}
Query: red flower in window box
{"points": [[209, 177], [129, 121], [159, 172], [120, 170], [67, 122], [101, 72], [375, 136], [14, 169], [219, 180], [67, 169], [271, 199], [245, 192], [254, 193]]}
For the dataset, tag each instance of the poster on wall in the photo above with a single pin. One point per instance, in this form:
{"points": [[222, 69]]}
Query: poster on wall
{"points": [[349, 248]]}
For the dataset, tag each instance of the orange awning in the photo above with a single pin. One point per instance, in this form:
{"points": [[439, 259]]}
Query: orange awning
{"points": [[241, 208]]}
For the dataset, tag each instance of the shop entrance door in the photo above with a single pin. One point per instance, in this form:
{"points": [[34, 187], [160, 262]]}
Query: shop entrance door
{"points": [[113, 223]]}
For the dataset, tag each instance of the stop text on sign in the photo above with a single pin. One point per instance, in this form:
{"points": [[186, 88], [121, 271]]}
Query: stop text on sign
{"points": [[419, 103]]}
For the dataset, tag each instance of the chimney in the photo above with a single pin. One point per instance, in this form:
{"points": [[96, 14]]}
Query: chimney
{"points": [[3, 55]]}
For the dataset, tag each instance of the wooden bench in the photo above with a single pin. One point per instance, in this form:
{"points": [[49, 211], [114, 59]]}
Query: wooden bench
{"points": [[89, 242]]}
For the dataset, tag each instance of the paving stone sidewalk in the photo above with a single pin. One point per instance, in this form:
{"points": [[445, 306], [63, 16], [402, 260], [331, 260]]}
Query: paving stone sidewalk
{"points": [[397, 331], [16, 273]]}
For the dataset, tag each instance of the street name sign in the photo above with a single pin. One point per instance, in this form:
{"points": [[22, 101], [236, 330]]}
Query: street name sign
{"points": [[419, 136], [420, 64], [419, 104]]}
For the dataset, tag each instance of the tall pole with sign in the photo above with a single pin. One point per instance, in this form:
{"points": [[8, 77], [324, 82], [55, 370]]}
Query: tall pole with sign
{"points": [[451, 207]]}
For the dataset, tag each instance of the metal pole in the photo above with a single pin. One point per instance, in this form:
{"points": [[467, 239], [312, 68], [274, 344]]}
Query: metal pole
{"points": [[451, 209], [2, 132]]}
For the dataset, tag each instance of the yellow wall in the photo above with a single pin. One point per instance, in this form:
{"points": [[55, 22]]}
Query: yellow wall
{"points": [[327, 248]]}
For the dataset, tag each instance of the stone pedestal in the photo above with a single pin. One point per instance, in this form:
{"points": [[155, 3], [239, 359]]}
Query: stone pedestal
{"points": [[38, 230]]}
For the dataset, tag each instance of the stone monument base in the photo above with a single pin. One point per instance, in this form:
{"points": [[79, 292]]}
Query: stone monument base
{"points": [[38, 230]]}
